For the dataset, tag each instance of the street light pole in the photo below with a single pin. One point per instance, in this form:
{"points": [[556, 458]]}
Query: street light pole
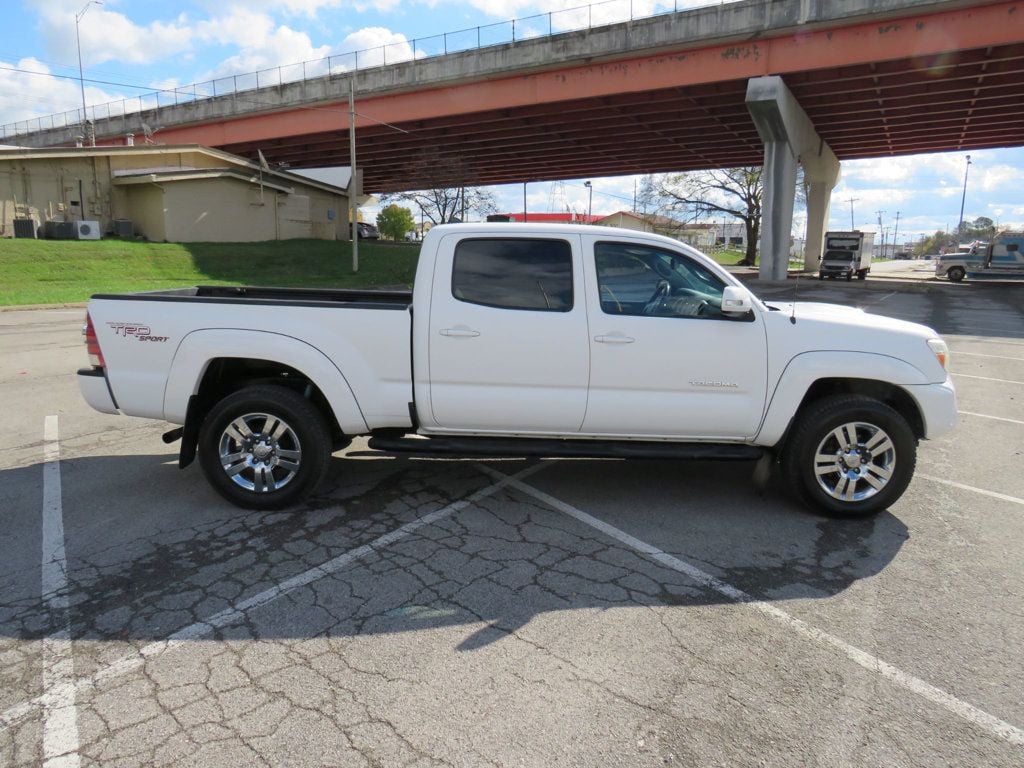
{"points": [[590, 199], [81, 73], [963, 199]]}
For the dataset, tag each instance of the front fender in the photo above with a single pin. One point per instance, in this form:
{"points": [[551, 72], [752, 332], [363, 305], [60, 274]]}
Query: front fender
{"points": [[198, 348], [809, 367]]}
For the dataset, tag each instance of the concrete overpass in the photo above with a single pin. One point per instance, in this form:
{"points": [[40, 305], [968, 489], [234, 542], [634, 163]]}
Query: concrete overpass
{"points": [[778, 82]]}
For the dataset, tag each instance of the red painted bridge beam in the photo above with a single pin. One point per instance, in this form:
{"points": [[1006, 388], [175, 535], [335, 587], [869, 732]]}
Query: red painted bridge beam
{"points": [[928, 38]]}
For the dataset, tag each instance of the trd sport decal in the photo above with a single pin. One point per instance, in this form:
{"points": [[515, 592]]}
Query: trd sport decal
{"points": [[136, 331]]}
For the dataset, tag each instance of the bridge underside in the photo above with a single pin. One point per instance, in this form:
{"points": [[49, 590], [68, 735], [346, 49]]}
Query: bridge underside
{"points": [[964, 100]]}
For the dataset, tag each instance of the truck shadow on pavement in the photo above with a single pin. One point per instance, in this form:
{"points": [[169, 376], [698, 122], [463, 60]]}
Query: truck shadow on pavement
{"points": [[160, 552]]}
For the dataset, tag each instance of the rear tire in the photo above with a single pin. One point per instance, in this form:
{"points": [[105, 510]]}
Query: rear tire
{"points": [[862, 274], [849, 456], [264, 447]]}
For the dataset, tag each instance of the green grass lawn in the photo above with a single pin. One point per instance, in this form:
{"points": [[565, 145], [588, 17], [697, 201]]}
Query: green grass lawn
{"points": [[59, 271]]}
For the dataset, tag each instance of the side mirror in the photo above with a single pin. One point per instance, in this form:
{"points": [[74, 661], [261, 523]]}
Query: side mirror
{"points": [[736, 300]]}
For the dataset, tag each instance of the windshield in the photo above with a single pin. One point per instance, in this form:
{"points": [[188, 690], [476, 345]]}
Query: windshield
{"points": [[838, 256]]}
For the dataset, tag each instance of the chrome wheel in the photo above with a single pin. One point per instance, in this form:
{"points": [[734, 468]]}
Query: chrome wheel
{"points": [[855, 461], [259, 452]]}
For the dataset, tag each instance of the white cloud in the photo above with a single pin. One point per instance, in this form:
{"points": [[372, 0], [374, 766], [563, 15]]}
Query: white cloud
{"points": [[997, 177], [107, 35], [261, 45], [24, 96], [376, 46]]}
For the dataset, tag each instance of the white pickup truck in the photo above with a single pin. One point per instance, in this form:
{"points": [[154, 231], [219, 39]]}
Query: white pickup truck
{"points": [[522, 339]]}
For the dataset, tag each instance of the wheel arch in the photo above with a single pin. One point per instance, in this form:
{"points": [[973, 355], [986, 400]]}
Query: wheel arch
{"points": [[813, 376], [211, 364]]}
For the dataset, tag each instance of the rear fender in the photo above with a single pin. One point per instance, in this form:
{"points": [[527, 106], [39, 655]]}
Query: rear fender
{"points": [[198, 348]]}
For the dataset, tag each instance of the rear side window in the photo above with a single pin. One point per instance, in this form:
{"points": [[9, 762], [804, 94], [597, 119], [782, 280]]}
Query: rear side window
{"points": [[514, 273]]}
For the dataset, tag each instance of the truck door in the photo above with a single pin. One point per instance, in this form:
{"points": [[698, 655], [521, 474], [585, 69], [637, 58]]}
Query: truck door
{"points": [[665, 361], [508, 335]]}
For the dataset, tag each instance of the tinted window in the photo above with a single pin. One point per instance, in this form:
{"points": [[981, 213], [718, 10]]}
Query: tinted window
{"points": [[640, 280], [514, 274]]}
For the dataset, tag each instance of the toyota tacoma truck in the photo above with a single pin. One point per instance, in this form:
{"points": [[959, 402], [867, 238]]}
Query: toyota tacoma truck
{"points": [[526, 340]]}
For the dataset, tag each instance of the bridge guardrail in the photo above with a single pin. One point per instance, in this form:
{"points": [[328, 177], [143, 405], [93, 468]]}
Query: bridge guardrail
{"points": [[469, 39]]}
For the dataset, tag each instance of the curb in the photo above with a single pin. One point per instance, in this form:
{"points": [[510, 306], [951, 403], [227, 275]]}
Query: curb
{"points": [[30, 307]]}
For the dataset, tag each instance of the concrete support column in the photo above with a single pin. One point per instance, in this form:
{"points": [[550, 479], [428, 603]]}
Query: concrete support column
{"points": [[779, 179], [819, 199], [789, 138]]}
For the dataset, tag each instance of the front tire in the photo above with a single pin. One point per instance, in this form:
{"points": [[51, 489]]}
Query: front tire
{"points": [[956, 274], [264, 447], [849, 456]]}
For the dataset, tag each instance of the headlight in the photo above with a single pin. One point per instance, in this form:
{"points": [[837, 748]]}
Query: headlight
{"points": [[941, 351]]}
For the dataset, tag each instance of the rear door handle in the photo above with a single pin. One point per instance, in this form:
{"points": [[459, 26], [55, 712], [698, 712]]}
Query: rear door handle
{"points": [[614, 339], [461, 332]]}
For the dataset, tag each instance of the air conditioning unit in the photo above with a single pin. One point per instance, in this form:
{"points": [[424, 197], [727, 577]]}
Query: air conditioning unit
{"points": [[25, 228], [88, 230], [124, 229], [60, 230]]}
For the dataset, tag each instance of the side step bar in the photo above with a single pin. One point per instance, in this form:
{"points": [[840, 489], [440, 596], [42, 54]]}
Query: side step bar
{"points": [[590, 449]]}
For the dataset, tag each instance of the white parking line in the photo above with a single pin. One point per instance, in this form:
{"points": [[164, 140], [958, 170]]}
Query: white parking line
{"points": [[968, 712], [994, 418], [130, 662], [60, 719], [961, 486], [985, 378], [978, 354]]}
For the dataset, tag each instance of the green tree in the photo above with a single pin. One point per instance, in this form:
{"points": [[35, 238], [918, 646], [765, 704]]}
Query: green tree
{"points": [[394, 221], [936, 243], [442, 205], [700, 194]]}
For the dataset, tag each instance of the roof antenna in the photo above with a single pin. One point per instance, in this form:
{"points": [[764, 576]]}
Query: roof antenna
{"points": [[796, 289]]}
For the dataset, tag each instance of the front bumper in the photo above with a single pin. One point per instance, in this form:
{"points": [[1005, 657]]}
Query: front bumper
{"points": [[92, 383], [938, 406]]}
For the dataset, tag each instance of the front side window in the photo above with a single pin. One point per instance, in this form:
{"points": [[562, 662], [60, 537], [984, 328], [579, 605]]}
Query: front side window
{"points": [[514, 273], [643, 280]]}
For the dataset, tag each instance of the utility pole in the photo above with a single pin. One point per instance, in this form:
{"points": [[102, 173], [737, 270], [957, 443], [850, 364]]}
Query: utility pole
{"points": [[590, 199], [881, 252], [895, 232], [353, 191], [851, 201]]}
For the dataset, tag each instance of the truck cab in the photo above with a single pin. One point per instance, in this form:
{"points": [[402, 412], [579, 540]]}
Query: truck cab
{"points": [[999, 259], [846, 254]]}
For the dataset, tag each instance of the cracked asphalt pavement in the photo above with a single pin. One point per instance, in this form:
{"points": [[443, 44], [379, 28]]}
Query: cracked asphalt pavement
{"points": [[428, 612]]}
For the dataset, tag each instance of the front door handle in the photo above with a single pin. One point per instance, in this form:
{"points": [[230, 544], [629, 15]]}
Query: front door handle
{"points": [[461, 332], [616, 338]]}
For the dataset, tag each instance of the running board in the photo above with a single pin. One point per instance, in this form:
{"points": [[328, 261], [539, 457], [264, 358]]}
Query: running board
{"points": [[584, 449]]}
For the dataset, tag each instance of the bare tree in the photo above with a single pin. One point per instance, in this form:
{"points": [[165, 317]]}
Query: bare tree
{"points": [[446, 204], [732, 191]]}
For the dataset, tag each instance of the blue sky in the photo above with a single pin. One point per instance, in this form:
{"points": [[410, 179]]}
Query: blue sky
{"points": [[163, 45]]}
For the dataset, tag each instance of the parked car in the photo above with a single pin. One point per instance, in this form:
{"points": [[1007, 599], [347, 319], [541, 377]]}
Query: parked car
{"points": [[526, 340], [367, 231]]}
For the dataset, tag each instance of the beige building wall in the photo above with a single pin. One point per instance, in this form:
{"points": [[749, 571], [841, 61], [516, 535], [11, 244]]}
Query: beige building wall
{"points": [[73, 187], [53, 189], [626, 222], [146, 210], [218, 210]]}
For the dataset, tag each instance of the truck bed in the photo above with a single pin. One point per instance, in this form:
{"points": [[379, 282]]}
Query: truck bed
{"points": [[303, 297]]}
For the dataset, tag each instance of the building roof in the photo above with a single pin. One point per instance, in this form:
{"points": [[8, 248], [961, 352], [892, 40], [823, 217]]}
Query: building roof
{"points": [[156, 150], [166, 175]]}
